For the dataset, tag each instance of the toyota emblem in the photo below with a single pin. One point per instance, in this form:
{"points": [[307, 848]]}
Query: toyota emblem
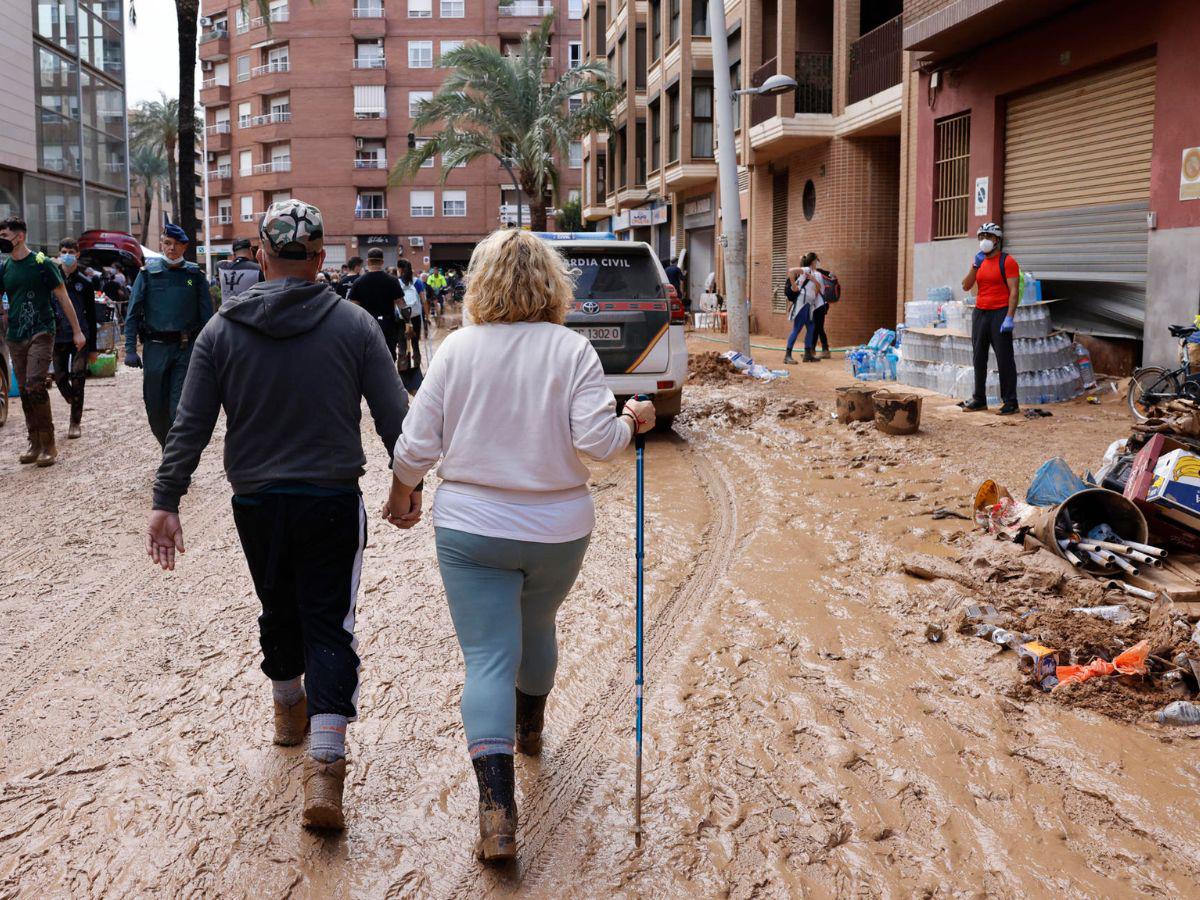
{"points": [[591, 308]]}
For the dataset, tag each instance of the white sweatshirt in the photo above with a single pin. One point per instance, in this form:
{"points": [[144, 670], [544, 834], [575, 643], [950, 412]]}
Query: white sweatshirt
{"points": [[506, 408]]}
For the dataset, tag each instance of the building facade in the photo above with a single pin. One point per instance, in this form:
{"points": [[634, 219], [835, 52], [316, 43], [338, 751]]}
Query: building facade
{"points": [[819, 169], [63, 140], [1087, 152], [316, 100]]}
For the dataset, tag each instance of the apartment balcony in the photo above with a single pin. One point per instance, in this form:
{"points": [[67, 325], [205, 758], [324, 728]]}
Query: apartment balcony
{"points": [[508, 213], [220, 233], [220, 181], [370, 172], [367, 22], [368, 71], [221, 218], [791, 122], [681, 175], [875, 60], [269, 127], [271, 78], [217, 137], [594, 213], [214, 92], [372, 221], [252, 217], [214, 46], [524, 9], [276, 17], [283, 164], [367, 124]]}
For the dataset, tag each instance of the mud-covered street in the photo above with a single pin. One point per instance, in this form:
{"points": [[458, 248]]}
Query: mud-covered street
{"points": [[803, 736]]}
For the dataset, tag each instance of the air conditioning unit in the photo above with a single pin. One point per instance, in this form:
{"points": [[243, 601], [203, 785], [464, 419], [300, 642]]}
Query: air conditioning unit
{"points": [[416, 242], [358, 143], [205, 21], [207, 65]]}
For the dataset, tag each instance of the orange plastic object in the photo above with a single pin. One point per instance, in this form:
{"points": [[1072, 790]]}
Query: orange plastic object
{"points": [[1131, 662]]}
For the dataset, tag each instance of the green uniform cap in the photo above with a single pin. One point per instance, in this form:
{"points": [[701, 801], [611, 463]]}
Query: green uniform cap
{"points": [[293, 229]]}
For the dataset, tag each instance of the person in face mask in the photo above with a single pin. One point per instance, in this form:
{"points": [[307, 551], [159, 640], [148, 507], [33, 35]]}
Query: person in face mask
{"points": [[70, 364], [993, 275], [169, 305]]}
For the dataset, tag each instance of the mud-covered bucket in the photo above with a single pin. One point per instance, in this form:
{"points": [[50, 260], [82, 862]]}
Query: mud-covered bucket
{"points": [[855, 403], [1083, 511], [897, 413]]}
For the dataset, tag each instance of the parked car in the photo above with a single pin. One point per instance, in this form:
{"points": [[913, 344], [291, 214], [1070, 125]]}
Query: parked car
{"points": [[627, 309]]}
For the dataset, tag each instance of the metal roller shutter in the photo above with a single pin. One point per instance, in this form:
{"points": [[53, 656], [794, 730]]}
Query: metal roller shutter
{"points": [[779, 242], [1077, 190]]}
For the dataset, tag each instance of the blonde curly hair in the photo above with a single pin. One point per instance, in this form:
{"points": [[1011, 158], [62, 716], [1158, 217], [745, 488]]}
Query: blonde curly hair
{"points": [[516, 277]]}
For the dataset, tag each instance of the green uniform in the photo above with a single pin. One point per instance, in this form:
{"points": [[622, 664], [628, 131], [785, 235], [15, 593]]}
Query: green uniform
{"points": [[30, 284], [167, 309]]}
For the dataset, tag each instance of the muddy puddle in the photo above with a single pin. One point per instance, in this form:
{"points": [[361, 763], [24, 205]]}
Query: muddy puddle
{"points": [[804, 738]]}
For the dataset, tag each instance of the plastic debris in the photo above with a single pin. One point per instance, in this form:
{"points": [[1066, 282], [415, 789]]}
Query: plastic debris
{"points": [[1131, 662], [1180, 712], [1117, 613]]}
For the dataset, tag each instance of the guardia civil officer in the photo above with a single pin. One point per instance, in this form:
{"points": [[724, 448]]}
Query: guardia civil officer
{"points": [[169, 306]]}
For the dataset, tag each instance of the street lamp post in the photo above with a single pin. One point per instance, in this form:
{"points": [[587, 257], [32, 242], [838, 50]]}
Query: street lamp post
{"points": [[737, 305]]}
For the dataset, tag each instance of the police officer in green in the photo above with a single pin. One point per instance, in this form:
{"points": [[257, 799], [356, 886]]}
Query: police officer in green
{"points": [[169, 306]]}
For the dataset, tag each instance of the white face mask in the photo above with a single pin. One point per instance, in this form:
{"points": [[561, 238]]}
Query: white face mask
{"points": [[174, 262], [987, 246]]}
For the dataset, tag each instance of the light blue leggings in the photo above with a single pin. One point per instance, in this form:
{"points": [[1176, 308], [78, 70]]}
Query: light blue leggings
{"points": [[503, 598]]}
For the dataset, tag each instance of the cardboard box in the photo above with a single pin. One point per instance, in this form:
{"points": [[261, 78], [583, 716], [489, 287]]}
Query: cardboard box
{"points": [[1176, 487], [1037, 661]]}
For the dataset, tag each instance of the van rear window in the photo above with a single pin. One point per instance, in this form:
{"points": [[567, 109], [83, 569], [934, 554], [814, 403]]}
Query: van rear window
{"points": [[605, 275]]}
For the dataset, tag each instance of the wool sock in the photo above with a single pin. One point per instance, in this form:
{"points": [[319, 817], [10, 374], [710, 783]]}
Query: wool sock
{"points": [[289, 692], [328, 740]]}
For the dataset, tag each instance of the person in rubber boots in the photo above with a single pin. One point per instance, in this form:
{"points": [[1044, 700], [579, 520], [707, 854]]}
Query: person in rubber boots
{"points": [[169, 305], [508, 404], [992, 322], [70, 364]]}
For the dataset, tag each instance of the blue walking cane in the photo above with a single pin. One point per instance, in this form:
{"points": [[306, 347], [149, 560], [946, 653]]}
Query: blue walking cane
{"points": [[639, 441]]}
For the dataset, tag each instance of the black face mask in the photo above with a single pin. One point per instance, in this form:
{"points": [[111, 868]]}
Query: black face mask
{"points": [[6, 246]]}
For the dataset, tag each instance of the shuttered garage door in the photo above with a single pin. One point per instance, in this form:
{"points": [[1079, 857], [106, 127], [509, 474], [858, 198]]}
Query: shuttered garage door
{"points": [[1077, 190]]}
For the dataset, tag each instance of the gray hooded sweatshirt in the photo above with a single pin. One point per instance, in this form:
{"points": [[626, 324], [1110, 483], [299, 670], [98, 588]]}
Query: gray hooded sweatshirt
{"points": [[289, 361]]}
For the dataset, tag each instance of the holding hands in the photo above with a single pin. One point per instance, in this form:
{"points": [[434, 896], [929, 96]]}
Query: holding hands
{"points": [[403, 505]]}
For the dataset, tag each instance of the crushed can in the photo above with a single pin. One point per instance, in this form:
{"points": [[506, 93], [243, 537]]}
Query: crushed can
{"points": [[1037, 661]]}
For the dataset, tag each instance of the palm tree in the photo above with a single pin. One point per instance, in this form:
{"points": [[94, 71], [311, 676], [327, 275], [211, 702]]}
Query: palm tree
{"points": [[500, 106], [154, 126], [148, 167]]}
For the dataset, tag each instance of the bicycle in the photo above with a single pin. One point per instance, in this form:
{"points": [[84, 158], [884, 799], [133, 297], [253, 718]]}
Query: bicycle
{"points": [[1151, 385]]}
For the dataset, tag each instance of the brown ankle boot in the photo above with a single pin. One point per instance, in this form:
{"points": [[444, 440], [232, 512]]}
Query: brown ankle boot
{"points": [[323, 783], [291, 722], [35, 434], [497, 807], [531, 717], [48, 452]]}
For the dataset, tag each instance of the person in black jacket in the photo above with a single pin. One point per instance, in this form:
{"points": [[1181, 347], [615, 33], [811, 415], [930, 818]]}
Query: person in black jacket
{"points": [[70, 365], [381, 295]]}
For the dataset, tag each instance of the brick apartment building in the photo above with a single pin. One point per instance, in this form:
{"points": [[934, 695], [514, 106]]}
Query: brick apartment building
{"points": [[1075, 126], [819, 168], [318, 102]]}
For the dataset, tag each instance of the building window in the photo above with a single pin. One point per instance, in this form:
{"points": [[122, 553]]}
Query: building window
{"points": [[370, 102], [420, 204], [620, 159], [639, 58], [655, 135], [575, 155], [601, 177], [574, 54], [370, 154], [674, 114], [448, 46], [453, 9], [454, 204], [951, 167], [420, 9], [700, 17], [655, 29], [415, 99], [418, 143], [601, 35], [420, 54], [735, 76], [370, 205], [243, 68], [245, 163], [367, 9], [622, 65], [574, 9], [702, 119], [281, 108], [673, 34], [574, 104], [247, 205], [368, 54], [639, 153]]}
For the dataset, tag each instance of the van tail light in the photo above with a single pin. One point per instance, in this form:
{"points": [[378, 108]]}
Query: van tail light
{"points": [[678, 313], [665, 385]]}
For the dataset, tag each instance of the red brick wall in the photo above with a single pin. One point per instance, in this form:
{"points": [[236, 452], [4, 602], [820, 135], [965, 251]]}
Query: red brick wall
{"points": [[854, 230]]}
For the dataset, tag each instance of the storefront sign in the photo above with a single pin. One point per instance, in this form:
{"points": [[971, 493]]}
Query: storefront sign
{"points": [[620, 221], [981, 196], [658, 215], [639, 218], [377, 240], [1189, 174]]}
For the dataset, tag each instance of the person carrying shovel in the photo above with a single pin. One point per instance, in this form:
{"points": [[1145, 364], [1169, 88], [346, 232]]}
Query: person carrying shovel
{"points": [[508, 403]]}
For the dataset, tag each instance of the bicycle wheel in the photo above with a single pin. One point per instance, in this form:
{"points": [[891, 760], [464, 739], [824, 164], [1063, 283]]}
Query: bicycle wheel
{"points": [[1148, 386]]}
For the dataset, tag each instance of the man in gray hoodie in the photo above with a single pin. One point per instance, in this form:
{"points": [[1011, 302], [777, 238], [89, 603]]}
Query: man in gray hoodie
{"points": [[290, 364]]}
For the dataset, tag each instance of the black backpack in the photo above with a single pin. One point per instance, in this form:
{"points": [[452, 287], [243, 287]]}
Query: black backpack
{"points": [[832, 292]]}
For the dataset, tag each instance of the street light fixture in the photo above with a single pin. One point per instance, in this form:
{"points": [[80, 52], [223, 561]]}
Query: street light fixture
{"points": [[737, 307]]}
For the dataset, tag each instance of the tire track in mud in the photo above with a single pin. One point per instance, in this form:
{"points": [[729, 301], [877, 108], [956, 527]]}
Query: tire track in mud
{"points": [[580, 760]]}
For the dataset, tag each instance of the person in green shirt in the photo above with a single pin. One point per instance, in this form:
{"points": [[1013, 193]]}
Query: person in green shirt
{"points": [[169, 305], [32, 281]]}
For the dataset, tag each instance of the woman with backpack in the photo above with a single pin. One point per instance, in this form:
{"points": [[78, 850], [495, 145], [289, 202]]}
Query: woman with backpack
{"points": [[817, 331], [804, 288]]}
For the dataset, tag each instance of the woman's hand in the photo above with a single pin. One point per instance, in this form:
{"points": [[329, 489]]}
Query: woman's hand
{"points": [[643, 414], [403, 506]]}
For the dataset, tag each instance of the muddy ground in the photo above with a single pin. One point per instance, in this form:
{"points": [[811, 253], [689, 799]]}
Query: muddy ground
{"points": [[803, 736]]}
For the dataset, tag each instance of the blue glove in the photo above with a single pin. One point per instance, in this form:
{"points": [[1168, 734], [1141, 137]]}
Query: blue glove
{"points": [[1007, 325], [979, 258], [133, 361]]}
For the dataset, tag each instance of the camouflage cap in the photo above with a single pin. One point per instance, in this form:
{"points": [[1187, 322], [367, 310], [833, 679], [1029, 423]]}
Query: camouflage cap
{"points": [[293, 229]]}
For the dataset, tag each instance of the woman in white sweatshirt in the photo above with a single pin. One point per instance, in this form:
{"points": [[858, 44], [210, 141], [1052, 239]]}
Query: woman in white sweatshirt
{"points": [[507, 405]]}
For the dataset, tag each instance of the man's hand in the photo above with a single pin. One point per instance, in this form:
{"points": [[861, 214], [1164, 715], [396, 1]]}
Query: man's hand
{"points": [[164, 536], [133, 361], [1006, 325], [79, 340], [403, 506]]}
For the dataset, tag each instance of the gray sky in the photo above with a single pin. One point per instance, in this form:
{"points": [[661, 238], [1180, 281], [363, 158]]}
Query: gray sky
{"points": [[152, 52]]}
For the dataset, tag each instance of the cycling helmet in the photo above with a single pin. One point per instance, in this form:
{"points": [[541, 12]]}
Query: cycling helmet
{"points": [[990, 228]]}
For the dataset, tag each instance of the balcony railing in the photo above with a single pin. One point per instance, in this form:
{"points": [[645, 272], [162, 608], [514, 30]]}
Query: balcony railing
{"points": [[371, 162], [220, 172], [508, 212], [218, 128], [370, 213], [814, 83], [525, 8], [212, 83], [252, 216], [372, 62], [281, 65], [276, 15], [283, 164], [222, 218], [215, 35], [366, 12], [272, 118], [364, 113], [875, 60]]}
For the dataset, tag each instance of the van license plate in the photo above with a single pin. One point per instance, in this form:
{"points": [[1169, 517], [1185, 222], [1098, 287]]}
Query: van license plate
{"points": [[605, 333]]}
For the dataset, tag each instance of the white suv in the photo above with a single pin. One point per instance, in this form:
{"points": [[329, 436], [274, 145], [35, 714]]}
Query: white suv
{"points": [[626, 308]]}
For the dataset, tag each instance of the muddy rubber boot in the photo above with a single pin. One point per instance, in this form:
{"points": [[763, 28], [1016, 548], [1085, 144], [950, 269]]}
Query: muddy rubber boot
{"points": [[291, 722], [35, 436], [810, 357], [497, 808], [531, 717], [323, 783], [788, 360], [75, 432], [825, 354], [48, 452]]}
